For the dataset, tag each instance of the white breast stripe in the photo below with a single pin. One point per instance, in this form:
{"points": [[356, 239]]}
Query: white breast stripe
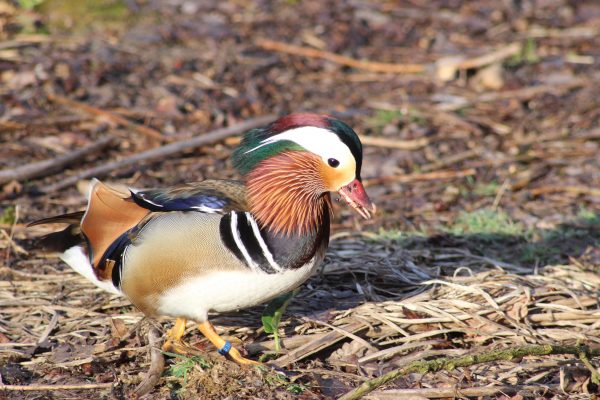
{"points": [[238, 241], [262, 243]]}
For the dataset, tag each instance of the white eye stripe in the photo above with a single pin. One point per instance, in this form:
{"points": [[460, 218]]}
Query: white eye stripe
{"points": [[320, 141]]}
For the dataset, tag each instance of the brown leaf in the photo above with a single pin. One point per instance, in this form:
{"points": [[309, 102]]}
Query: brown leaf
{"points": [[118, 328]]}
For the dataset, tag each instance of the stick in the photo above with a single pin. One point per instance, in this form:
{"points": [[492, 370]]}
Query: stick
{"points": [[144, 130], [491, 58], [455, 392], [451, 159], [316, 345], [413, 144], [25, 40], [449, 364], [162, 152], [517, 94], [338, 59], [157, 365], [426, 176], [575, 190], [32, 388], [48, 167], [394, 143]]}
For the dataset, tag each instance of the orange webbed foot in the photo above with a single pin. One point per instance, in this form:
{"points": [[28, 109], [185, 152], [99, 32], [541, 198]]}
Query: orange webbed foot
{"points": [[173, 342], [224, 346]]}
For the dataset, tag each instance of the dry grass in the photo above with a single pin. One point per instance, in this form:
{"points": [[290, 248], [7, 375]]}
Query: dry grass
{"points": [[377, 305]]}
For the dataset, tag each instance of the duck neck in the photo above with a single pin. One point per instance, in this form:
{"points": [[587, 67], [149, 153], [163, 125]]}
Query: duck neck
{"points": [[286, 196]]}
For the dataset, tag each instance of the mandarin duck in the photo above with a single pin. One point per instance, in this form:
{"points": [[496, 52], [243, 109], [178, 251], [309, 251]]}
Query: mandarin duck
{"points": [[220, 245]]}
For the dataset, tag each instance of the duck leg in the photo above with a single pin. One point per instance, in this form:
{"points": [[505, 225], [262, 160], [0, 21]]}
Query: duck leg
{"points": [[224, 346], [174, 335]]}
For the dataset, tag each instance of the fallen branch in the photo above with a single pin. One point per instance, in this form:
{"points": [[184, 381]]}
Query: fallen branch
{"points": [[162, 152], [426, 176], [320, 343], [575, 190], [452, 159], [491, 58], [48, 167], [144, 130], [24, 41], [455, 392], [450, 364], [342, 60], [34, 388], [522, 94], [413, 144], [157, 365]]}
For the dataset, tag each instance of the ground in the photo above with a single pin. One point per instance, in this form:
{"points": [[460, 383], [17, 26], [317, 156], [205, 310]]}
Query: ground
{"points": [[480, 122]]}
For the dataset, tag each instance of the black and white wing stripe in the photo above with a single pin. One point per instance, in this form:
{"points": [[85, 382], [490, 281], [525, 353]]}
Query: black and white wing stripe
{"points": [[242, 236], [155, 200]]}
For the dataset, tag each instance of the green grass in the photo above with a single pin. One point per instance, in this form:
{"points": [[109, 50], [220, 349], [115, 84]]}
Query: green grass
{"points": [[528, 55], [586, 215], [29, 4], [494, 234], [277, 379], [386, 117], [8, 216], [272, 314], [182, 368], [485, 221], [396, 235], [83, 15], [486, 189], [296, 388]]}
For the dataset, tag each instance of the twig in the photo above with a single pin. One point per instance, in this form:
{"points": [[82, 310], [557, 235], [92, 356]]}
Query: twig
{"points": [[9, 237], [157, 365], [455, 392], [162, 152], [576, 190], [144, 130], [452, 159], [48, 167], [584, 357], [449, 364], [426, 176], [394, 143], [413, 144], [33, 388], [24, 41], [342, 60], [317, 345], [288, 343], [51, 326], [491, 58], [516, 94]]}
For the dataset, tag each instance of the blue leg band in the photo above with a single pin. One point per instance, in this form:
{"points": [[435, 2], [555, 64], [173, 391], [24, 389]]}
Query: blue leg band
{"points": [[225, 349]]}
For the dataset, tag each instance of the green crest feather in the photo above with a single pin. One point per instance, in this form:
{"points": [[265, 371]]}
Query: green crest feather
{"points": [[246, 156]]}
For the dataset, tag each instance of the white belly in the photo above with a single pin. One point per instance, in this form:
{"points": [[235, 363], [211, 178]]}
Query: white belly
{"points": [[228, 291]]}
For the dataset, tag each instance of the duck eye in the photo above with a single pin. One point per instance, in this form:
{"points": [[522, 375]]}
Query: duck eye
{"points": [[333, 162]]}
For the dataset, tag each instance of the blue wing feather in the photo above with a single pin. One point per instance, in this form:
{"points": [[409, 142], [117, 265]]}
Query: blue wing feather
{"points": [[210, 196]]}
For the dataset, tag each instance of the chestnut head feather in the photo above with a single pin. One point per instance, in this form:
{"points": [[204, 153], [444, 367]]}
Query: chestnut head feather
{"points": [[291, 165]]}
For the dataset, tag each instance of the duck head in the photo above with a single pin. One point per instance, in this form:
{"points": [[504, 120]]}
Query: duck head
{"points": [[291, 166]]}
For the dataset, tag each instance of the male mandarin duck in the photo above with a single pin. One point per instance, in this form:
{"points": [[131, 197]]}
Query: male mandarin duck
{"points": [[220, 245]]}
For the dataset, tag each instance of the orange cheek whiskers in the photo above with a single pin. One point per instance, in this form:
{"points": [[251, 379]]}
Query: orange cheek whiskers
{"points": [[290, 196]]}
